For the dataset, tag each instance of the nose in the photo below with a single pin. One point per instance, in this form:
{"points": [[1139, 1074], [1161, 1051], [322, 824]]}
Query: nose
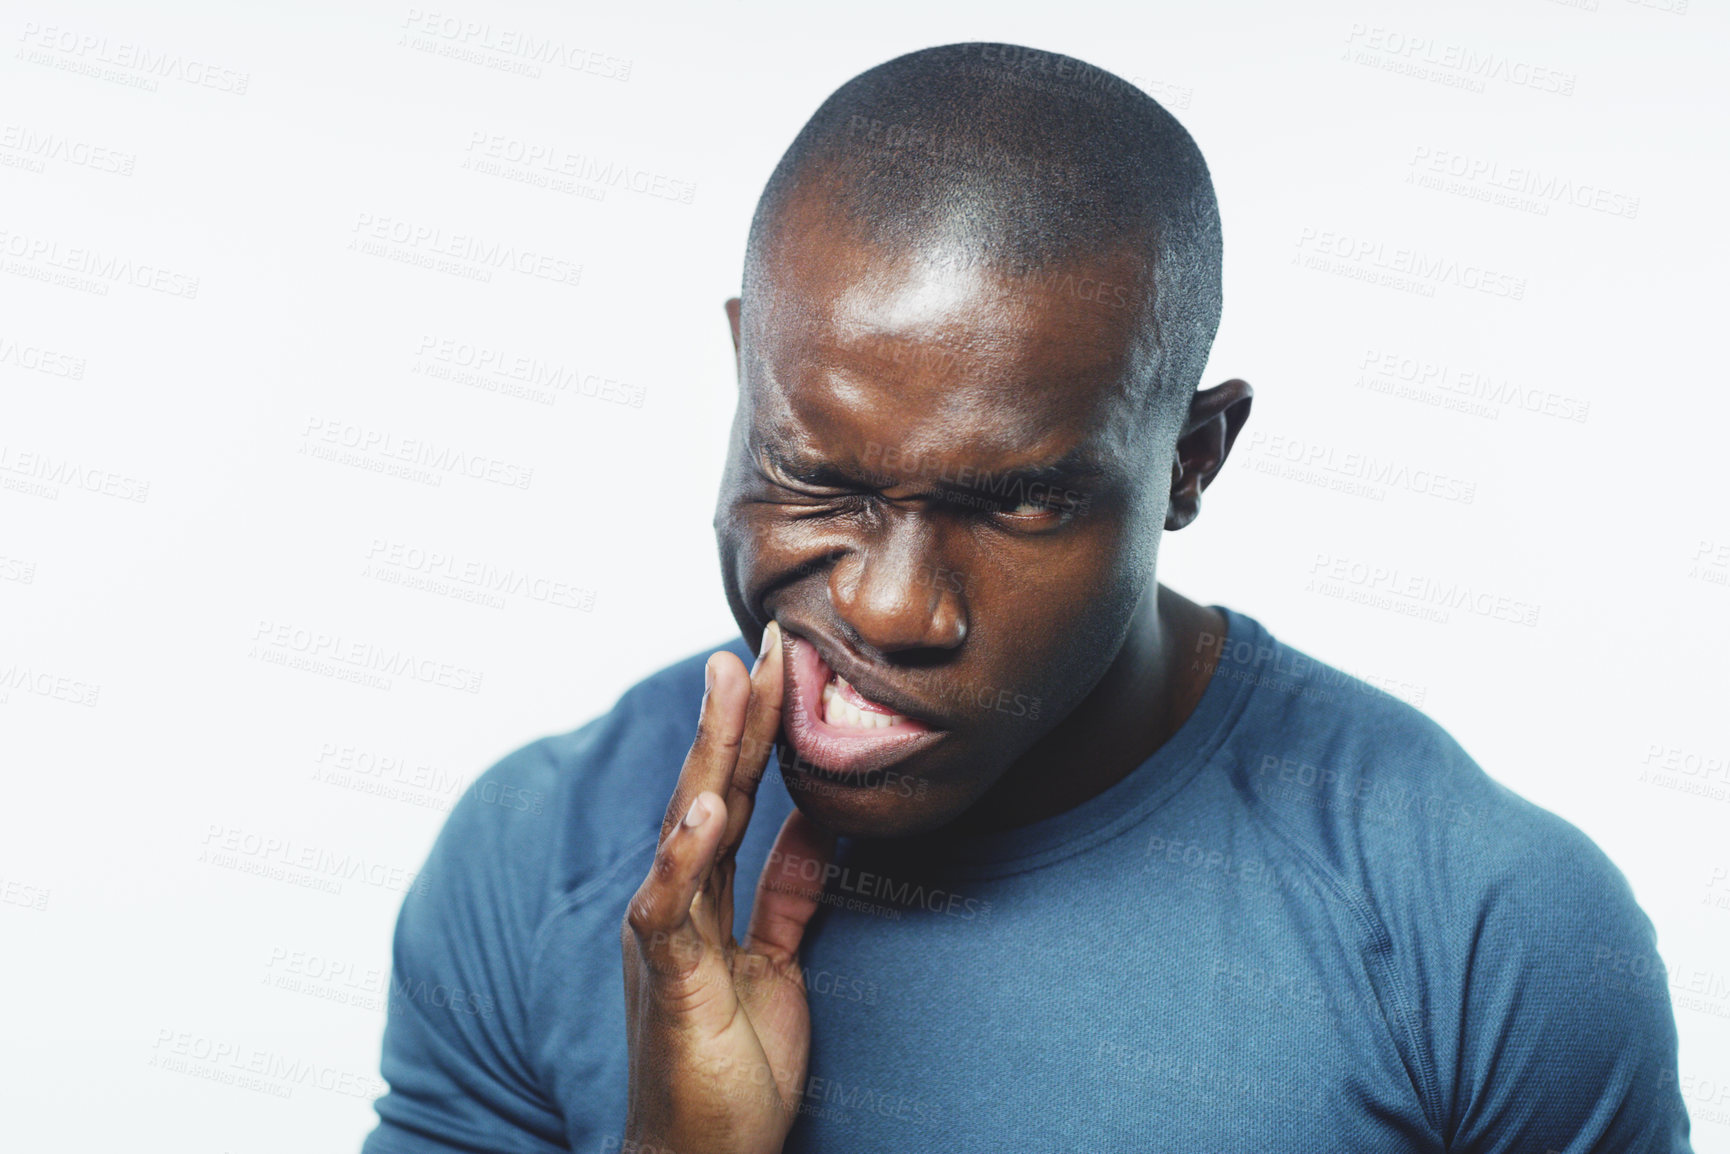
{"points": [[894, 596]]}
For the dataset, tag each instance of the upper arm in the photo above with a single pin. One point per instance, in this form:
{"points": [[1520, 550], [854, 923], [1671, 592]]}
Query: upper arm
{"points": [[1568, 1043], [455, 1039]]}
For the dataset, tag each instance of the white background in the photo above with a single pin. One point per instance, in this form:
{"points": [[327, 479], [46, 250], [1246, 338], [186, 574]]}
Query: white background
{"points": [[157, 754]]}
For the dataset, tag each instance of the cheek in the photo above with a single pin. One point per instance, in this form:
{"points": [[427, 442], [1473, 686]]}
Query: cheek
{"points": [[742, 537], [762, 546], [1058, 621], [745, 543], [1079, 576]]}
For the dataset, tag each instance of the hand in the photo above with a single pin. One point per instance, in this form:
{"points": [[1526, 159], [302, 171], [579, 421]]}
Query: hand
{"points": [[719, 1032]]}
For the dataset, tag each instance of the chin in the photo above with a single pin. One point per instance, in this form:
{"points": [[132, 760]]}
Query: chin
{"points": [[882, 805]]}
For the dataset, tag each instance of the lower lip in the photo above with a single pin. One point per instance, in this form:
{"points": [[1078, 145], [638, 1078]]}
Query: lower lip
{"points": [[839, 749]]}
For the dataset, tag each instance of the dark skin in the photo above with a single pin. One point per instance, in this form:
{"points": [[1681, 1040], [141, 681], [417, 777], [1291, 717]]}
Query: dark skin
{"points": [[875, 387], [894, 374]]}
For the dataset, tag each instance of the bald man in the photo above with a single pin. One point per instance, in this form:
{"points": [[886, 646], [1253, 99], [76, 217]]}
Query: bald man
{"points": [[1027, 851]]}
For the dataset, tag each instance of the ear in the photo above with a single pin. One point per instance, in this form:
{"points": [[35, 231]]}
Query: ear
{"points": [[1215, 416], [732, 307]]}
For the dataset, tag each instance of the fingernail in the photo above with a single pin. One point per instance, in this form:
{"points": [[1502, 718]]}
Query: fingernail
{"points": [[697, 814], [708, 675], [771, 634]]}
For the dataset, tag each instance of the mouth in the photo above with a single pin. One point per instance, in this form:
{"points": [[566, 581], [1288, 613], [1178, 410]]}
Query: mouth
{"points": [[834, 727]]}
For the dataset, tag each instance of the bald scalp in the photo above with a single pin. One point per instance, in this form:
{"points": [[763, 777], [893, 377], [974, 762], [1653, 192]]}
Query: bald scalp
{"points": [[1027, 163]]}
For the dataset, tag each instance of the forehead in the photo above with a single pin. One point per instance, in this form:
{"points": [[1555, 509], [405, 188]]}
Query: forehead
{"points": [[927, 348]]}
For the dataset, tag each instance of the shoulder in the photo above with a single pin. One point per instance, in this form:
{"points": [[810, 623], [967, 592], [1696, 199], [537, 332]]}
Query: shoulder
{"points": [[459, 1045], [1499, 935], [561, 809], [1380, 792]]}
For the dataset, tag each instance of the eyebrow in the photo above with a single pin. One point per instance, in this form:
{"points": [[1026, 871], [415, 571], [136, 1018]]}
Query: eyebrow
{"points": [[1073, 466]]}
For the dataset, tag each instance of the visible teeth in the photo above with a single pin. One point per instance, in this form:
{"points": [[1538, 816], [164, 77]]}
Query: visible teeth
{"points": [[840, 712]]}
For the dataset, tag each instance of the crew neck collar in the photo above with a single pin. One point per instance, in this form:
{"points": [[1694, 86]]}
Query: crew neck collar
{"points": [[1105, 815]]}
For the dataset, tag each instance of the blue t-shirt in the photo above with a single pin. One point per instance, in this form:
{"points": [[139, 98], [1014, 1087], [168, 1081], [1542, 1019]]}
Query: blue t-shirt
{"points": [[1309, 922]]}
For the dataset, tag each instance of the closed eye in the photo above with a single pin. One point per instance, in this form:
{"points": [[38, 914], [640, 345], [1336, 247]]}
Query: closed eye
{"points": [[819, 502]]}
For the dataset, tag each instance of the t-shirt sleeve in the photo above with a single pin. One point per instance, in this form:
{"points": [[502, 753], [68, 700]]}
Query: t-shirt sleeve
{"points": [[1567, 1043], [455, 1038]]}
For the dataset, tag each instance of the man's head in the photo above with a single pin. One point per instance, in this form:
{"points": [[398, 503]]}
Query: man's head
{"points": [[980, 289]]}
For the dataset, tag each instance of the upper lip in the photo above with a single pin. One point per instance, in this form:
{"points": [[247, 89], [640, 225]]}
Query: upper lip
{"points": [[860, 677]]}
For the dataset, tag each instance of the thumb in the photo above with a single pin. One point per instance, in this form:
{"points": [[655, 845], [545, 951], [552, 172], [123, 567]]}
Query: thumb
{"points": [[790, 889]]}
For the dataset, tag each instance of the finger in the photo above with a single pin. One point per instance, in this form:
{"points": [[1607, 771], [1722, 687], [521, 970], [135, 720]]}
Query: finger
{"points": [[790, 889], [660, 913], [720, 909], [762, 724], [720, 728]]}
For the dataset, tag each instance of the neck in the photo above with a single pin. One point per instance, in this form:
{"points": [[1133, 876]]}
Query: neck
{"points": [[1146, 695]]}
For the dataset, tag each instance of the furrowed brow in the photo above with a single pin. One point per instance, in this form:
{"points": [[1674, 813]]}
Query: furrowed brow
{"points": [[810, 471], [1067, 472]]}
